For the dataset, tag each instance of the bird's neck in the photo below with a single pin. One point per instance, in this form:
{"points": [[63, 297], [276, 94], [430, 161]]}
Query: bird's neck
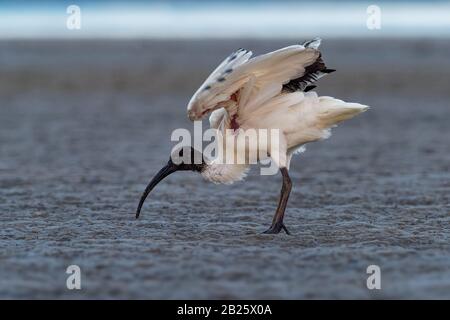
{"points": [[224, 173]]}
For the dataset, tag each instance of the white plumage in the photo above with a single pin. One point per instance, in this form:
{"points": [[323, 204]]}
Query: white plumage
{"points": [[245, 93]]}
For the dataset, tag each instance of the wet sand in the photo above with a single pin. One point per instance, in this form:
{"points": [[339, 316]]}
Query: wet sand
{"points": [[85, 125]]}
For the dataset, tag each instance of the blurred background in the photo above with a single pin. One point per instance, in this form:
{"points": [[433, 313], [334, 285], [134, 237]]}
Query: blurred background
{"points": [[90, 92]]}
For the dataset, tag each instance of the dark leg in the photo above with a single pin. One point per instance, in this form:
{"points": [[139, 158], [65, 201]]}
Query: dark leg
{"points": [[277, 222]]}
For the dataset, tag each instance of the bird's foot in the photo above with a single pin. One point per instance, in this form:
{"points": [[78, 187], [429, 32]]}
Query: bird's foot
{"points": [[276, 228]]}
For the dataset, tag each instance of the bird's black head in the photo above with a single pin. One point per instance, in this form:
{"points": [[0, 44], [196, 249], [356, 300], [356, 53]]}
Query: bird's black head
{"points": [[187, 158], [183, 159]]}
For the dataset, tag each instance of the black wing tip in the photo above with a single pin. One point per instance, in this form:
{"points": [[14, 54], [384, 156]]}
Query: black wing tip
{"points": [[313, 72], [313, 43], [309, 88]]}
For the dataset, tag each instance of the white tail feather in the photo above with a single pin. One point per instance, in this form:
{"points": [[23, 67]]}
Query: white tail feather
{"points": [[334, 111]]}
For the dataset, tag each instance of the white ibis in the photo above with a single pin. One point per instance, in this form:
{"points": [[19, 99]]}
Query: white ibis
{"points": [[270, 91]]}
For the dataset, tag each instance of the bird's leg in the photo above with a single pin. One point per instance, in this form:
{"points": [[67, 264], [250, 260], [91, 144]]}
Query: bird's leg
{"points": [[277, 222]]}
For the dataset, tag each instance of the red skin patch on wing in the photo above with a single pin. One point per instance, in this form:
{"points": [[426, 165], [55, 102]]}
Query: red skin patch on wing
{"points": [[234, 124]]}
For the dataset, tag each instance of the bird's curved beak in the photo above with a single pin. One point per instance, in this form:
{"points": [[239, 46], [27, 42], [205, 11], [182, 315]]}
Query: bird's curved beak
{"points": [[164, 172]]}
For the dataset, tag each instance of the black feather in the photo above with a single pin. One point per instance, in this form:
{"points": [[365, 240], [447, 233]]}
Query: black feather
{"points": [[309, 88], [313, 72]]}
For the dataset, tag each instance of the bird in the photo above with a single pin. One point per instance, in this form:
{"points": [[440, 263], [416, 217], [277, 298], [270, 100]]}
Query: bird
{"points": [[273, 91]]}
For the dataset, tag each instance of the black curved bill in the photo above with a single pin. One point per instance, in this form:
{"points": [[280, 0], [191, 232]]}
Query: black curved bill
{"points": [[164, 172]]}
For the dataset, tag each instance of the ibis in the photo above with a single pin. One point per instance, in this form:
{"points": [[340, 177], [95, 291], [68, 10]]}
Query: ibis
{"points": [[273, 91]]}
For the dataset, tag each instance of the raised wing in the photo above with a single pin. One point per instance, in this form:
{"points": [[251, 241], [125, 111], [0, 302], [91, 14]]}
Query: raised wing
{"points": [[241, 85], [270, 72], [234, 60], [216, 88]]}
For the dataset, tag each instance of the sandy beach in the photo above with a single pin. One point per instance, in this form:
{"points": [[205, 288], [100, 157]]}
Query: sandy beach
{"points": [[84, 125]]}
